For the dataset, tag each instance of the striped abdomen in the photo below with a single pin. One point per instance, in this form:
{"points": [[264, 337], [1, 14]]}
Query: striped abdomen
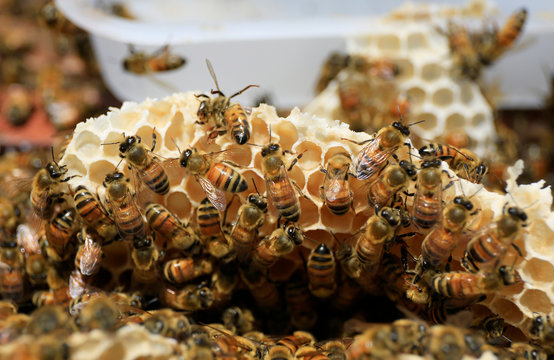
{"points": [[426, 210], [208, 219], [225, 178], [155, 177], [321, 272], [164, 222], [238, 125], [264, 256], [459, 284], [283, 197], [11, 284], [369, 251], [88, 206], [438, 245], [338, 199], [60, 230], [129, 221], [379, 193], [179, 271], [484, 250]]}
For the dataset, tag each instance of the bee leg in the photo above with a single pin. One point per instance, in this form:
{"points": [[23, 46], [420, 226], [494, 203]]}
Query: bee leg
{"points": [[70, 177], [298, 189], [153, 139], [295, 160], [232, 163], [359, 142], [517, 249], [323, 170], [447, 268]]}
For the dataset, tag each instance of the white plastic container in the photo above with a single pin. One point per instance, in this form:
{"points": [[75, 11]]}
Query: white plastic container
{"points": [[279, 45]]}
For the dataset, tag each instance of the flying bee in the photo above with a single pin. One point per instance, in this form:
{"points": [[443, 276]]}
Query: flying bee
{"points": [[465, 56], [189, 298], [322, 272], [89, 254], [393, 179], [330, 69], [336, 189], [166, 223], [36, 265], [148, 167], [46, 187], [282, 241], [300, 303], [427, 205], [214, 177], [221, 115], [237, 320], [179, 271], [374, 156], [209, 223], [126, 214], [485, 249], [251, 217], [141, 63], [463, 162], [466, 285], [278, 185], [441, 241], [92, 213], [17, 106], [59, 232]]}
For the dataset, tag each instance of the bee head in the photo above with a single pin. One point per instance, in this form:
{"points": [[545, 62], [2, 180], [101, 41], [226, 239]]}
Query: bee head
{"points": [[409, 168], [55, 171], [463, 201], [185, 157], [404, 130], [517, 213], [113, 177], [126, 144], [294, 233], [390, 216], [270, 149], [258, 201]]}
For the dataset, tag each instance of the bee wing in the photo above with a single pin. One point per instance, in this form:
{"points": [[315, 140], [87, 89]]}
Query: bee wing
{"points": [[216, 196], [26, 239], [76, 284], [274, 191], [333, 188], [91, 258], [377, 159]]}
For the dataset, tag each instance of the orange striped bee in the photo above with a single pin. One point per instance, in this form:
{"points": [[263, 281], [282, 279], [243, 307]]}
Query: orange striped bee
{"points": [[179, 271], [141, 63], [322, 272], [209, 223], [222, 115], [465, 56], [89, 255], [427, 205], [148, 167], [59, 232], [393, 179], [380, 148], [282, 241], [189, 298], [92, 213], [251, 217], [11, 281], [500, 40], [466, 285], [278, 185], [485, 249], [127, 215], [164, 222], [212, 176], [46, 187], [512, 28], [463, 162], [336, 189]]}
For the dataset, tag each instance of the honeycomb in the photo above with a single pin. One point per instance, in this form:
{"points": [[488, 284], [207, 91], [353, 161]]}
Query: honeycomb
{"points": [[448, 104], [173, 120]]}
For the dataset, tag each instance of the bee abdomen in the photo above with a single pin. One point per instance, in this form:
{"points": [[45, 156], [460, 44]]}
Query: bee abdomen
{"points": [[155, 177], [225, 178]]}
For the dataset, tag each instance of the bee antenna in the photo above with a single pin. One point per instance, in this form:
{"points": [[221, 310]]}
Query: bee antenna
{"points": [[174, 143], [117, 166], [243, 90], [399, 113], [212, 73], [414, 155], [476, 192], [269, 132], [461, 187], [52, 152], [113, 143], [255, 187], [254, 145], [415, 123]]}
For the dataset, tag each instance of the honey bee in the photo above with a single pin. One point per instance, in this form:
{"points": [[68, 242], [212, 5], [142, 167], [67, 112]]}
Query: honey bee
{"points": [[300, 303], [60, 231], [166, 223], [441, 241], [48, 319], [212, 176], [334, 349], [251, 217], [463, 162], [89, 254], [101, 312], [427, 205], [265, 293], [9, 218], [309, 352], [142, 63], [209, 223], [60, 296], [492, 327], [525, 351], [409, 336], [465, 56], [46, 187], [123, 207], [330, 69], [36, 265], [224, 281], [168, 323], [145, 257], [189, 298], [148, 167], [485, 249], [278, 352], [222, 115], [17, 107], [237, 320], [445, 342], [278, 184], [92, 213], [336, 189], [374, 156], [322, 272], [466, 285], [228, 343], [55, 20], [376, 343], [282, 241], [296, 340], [11, 282], [542, 327], [393, 179], [398, 283], [12, 327], [179, 271]]}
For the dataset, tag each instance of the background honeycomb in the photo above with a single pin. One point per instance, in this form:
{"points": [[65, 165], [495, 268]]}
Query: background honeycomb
{"points": [[173, 119]]}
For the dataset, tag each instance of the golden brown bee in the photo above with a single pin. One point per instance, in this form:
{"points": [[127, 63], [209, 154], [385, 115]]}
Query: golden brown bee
{"points": [[374, 343], [237, 320], [380, 148], [221, 115], [55, 20], [524, 351], [278, 352], [166, 223], [466, 285], [542, 328], [485, 250], [398, 283], [251, 217], [46, 188], [296, 340], [445, 342], [409, 336], [465, 56], [278, 185], [48, 319], [393, 179], [224, 282], [169, 323], [300, 304], [333, 349], [427, 206], [309, 352], [209, 223], [228, 343], [330, 69], [89, 254], [282, 241], [145, 255], [213, 176], [148, 167], [179, 271], [36, 266], [265, 293], [11, 282], [99, 313], [92, 213], [463, 162], [12, 327], [492, 327], [123, 207], [59, 232], [60, 296], [336, 189], [142, 63], [17, 106], [322, 272], [189, 298]]}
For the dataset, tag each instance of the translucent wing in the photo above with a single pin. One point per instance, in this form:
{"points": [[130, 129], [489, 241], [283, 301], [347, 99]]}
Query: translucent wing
{"points": [[91, 257], [216, 196], [371, 159], [27, 240], [276, 189]]}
